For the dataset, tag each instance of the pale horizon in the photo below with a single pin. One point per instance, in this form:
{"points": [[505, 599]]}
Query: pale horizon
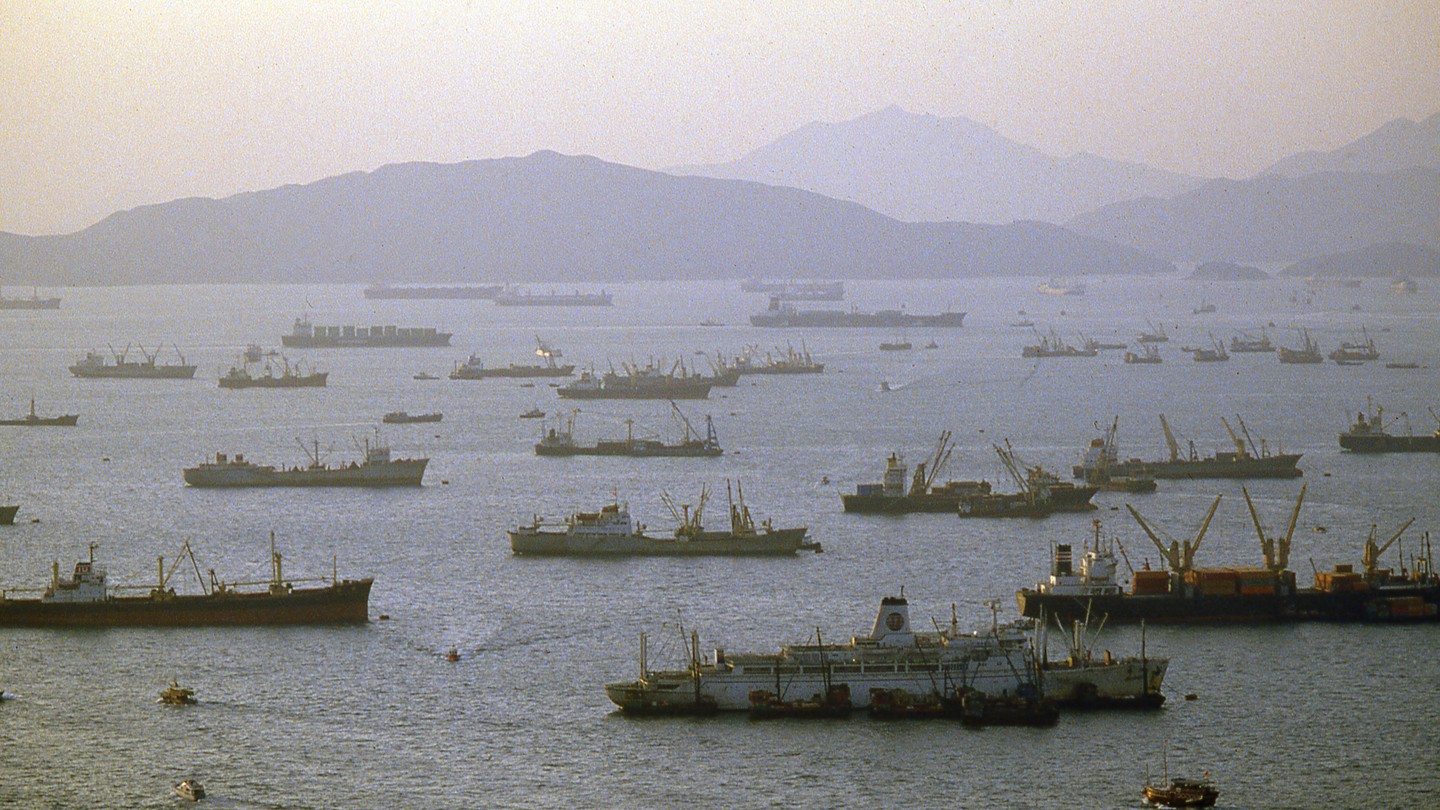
{"points": [[108, 108]]}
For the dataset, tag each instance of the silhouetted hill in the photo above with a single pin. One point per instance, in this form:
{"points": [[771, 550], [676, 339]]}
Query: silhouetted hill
{"points": [[1277, 218], [1228, 271], [1392, 260], [921, 168], [1399, 145], [544, 217]]}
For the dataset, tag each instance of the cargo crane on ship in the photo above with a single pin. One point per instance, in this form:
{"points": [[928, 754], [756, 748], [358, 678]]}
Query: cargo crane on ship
{"points": [[1180, 556], [1275, 550]]}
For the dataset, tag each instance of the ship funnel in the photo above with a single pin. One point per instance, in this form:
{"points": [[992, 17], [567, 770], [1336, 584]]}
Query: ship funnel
{"points": [[892, 623]]}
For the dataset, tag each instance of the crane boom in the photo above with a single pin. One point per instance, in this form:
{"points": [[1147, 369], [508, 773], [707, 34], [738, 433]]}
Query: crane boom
{"points": [[1169, 439], [1239, 445], [1191, 548], [1171, 555]]}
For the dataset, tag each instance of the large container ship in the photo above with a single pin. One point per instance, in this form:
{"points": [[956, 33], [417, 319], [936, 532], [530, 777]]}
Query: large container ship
{"points": [[377, 469], [85, 599], [783, 315], [1368, 435], [893, 657], [305, 335], [1186, 594]]}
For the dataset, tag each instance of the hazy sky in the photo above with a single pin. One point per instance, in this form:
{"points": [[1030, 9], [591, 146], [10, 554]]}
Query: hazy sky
{"points": [[109, 105]]}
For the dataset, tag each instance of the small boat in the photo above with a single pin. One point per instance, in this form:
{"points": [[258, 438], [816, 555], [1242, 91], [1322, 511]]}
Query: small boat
{"points": [[834, 704], [885, 386], [899, 344], [424, 375], [976, 709], [177, 695], [189, 789], [1182, 792], [533, 413], [452, 654], [932, 345], [710, 323], [1150, 357], [1205, 308], [404, 418]]}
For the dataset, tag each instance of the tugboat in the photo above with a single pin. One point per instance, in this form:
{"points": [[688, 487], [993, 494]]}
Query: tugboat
{"points": [[95, 366], [34, 420], [611, 532], [924, 495], [1368, 435], [560, 441]]}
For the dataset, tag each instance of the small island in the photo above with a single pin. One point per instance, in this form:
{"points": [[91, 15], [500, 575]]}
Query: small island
{"points": [[1227, 271]]}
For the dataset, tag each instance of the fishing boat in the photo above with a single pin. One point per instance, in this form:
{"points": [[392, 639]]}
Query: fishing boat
{"points": [[533, 413], [376, 469], [305, 335], [782, 315], [1247, 461], [1182, 792], [559, 440], [176, 695], [407, 418], [1184, 593], [86, 599], [289, 376], [788, 362], [893, 656], [612, 532], [35, 420], [96, 366], [189, 789], [1369, 435], [1155, 334], [891, 497], [1308, 354], [1093, 345], [1247, 343], [899, 344], [1215, 354]]}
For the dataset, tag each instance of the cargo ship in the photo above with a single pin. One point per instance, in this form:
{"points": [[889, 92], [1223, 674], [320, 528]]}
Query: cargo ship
{"points": [[420, 292], [1368, 435], [559, 440], [611, 532], [1052, 345], [525, 298], [893, 657], [289, 376], [1041, 493], [1186, 594], [96, 366], [305, 335], [33, 419], [783, 315], [789, 362], [1243, 463], [1245, 342], [85, 599], [474, 368], [649, 382], [33, 302], [891, 497], [377, 469]]}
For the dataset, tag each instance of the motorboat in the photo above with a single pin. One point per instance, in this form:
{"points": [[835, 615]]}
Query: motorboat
{"points": [[189, 789]]}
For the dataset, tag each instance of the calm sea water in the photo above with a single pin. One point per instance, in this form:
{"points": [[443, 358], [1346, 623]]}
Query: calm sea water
{"points": [[373, 716]]}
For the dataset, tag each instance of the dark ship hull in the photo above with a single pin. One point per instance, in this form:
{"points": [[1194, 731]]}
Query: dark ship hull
{"points": [[1224, 465], [670, 390], [1385, 443], [133, 371], [828, 319], [7, 514], [316, 380], [346, 601], [400, 473], [1391, 604], [637, 449]]}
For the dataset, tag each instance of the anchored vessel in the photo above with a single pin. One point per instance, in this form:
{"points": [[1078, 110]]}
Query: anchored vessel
{"points": [[611, 532], [378, 469], [33, 302], [649, 382], [1308, 354], [305, 335], [893, 657], [1041, 493], [1368, 435], [290, 376], [790, 362], [1357, 352], [407, 418], [783, 315], [1243, 463], [474, 368], [524, 298], [560, 441], [1244, 342], [95, 366], [1052, 345], [35, 420], [7, 514], [924, 495], [1187, 594], [427, 292], [86, 600]]}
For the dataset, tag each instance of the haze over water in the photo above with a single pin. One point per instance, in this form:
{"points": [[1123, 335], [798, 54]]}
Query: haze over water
{"points": [[372, 716]]}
